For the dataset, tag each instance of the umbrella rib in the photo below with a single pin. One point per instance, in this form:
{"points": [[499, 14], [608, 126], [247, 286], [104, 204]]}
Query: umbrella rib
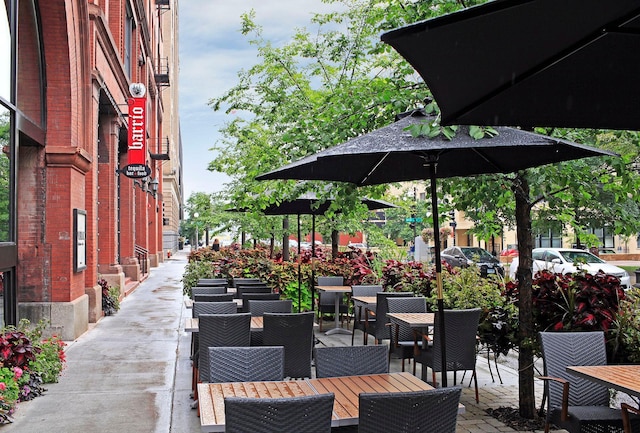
{"points": [[488, 160], [375, 167]]}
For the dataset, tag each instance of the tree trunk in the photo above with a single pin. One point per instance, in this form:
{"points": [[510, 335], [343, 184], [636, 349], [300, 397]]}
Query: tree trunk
{"points": [[335, 236], [525, 305], [285, 239]]}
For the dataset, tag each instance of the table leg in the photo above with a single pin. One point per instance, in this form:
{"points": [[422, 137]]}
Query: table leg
{"points": [[337, 329]]}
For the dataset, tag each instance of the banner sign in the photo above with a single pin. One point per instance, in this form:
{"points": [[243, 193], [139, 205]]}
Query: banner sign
{"points": [[137, 143]]}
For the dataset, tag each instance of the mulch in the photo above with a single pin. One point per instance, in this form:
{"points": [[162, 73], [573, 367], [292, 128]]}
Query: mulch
{"points": [[510, 416]]}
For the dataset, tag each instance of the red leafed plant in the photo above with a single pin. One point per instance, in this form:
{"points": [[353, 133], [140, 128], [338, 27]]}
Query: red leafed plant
{"points": [[16, 349]]}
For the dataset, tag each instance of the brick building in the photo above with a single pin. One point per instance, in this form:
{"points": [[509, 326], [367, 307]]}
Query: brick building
{"points": [[70, 215]]}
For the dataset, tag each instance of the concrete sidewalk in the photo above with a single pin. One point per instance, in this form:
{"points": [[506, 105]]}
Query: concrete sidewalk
{"points": [[131, 372]]}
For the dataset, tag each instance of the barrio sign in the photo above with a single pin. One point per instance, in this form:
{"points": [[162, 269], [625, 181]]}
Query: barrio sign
{"points": [[137, 137]]}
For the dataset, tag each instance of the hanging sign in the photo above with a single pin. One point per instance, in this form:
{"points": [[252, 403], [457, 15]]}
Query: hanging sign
{"points": [[137, 137]]}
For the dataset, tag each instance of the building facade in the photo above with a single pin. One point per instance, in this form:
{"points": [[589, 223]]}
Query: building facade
{"points": [[72, 216]]}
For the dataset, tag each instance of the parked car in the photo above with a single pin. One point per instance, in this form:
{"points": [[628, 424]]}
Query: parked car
{"points": [[569, 260], [467, 256]]}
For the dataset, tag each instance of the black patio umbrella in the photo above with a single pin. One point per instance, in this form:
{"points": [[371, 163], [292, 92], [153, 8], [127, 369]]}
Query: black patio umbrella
{"points": [[310, 204], [392, 154], [570, 63]]}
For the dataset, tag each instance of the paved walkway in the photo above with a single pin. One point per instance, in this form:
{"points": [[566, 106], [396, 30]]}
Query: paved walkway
{"points": [[131, 372]]}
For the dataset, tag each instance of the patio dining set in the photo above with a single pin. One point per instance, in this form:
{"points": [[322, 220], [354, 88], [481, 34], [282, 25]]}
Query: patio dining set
{"points": [[257, 365]]}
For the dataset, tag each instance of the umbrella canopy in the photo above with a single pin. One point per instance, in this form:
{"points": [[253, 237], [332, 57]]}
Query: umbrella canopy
{"points": [[567, 63], [393, 154]]}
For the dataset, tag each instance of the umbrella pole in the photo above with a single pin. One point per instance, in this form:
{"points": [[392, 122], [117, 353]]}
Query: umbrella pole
{"points": [[313, 264], [438, 262], [299, 271]]}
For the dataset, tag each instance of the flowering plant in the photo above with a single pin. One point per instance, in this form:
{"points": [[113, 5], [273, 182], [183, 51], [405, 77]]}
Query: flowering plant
{"points": [[9, 391]]}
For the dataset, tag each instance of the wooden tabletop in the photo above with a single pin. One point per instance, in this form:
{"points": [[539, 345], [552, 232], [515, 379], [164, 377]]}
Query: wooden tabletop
{"points": [[365, 300], [192, 325], [346, 390], [625, 378], [414, 320], [340, 289], [188, 302]]}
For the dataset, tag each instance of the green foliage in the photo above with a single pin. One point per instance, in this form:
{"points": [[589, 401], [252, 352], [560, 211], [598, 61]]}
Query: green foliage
{"points": [[110, 297], [625, 339]]}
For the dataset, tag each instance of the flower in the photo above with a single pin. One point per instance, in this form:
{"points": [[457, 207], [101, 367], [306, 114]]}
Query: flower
{"points": [[17, 371], [3, 386]]}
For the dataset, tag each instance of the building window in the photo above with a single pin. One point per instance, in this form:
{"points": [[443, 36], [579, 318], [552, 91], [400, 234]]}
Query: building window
{"points": [[128, 38]]}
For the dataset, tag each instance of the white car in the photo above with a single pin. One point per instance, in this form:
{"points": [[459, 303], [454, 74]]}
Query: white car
{"points": [[568, 260]]}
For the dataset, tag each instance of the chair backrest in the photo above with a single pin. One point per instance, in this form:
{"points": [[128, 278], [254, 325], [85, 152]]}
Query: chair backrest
{"points": [[381, 330], [237, 281], [199, 308], [416, 304], [277, 415], [246, 297], [325, 298], [435, 410], [461, 328], [561, 349], [363, 290], [351, 360], [205, 281], [259, 307], [218, 297], [208, 290], [242, 289], [221, 330], [294, 331], [246, 364]]}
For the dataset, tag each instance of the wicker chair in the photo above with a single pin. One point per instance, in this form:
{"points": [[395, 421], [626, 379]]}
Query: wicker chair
{"points": [[435, 410], [350, 360], [327, 301], [461, 328], [209, 308], [259, 307], [294, 331], [220, 297], [208, 290], [246, 364], [252, 288], [308, 414], [629, 413], [221, 330], [213, 281], [358, 312], [585, 408], [237, 281], [246, 297], [376, 325], [401, 342]]}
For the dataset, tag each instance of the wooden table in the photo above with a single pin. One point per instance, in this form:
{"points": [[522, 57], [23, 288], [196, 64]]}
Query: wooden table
{"points": [[339, 291], [192, 325], [625, 378], [346, 390]]}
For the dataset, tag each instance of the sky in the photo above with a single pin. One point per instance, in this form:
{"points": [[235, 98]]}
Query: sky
{"points": [[212, 52]]}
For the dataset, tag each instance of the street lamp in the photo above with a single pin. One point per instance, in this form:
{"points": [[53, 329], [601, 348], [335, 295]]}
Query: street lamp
{"points": [[195, 216]]}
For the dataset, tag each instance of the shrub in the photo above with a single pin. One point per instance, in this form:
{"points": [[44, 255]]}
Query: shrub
{"points": [[9, 392], [110, 297]]}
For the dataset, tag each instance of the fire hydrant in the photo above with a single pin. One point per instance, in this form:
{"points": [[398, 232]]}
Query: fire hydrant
{"points": [[168, 254]]}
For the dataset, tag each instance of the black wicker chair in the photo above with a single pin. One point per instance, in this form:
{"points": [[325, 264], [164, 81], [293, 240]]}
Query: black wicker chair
{"points": [[350, 360], [308, 414], [208, 290], [259, 307], [358, 311], [435, 410], [245, 289], [401, 342], [246, 297], [461, 328], [219, 297], [376, 324], [586, 406], [246, 364], [327, 301], [213, 281], [221, 330], [294, 331]]}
